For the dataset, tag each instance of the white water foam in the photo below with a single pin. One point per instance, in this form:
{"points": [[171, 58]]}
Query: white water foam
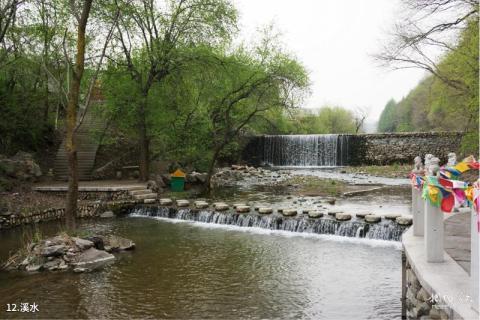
{"points": [[255, 230]]}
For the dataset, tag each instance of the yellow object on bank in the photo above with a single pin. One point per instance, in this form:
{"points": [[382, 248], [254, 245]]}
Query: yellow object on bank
{"points": [[179, 173]]}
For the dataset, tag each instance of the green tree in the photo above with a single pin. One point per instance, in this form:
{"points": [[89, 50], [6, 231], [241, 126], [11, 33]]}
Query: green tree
{"points": [[386, 123], [163, 36]]}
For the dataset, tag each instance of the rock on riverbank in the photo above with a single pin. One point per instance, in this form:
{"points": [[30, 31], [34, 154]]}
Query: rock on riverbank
{"points": [[64, 252]]}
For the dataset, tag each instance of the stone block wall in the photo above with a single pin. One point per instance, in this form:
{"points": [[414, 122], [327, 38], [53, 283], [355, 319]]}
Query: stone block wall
{"points": [[117, 195], [380, 148], [84, 211], [388, 148], [418, 302]]}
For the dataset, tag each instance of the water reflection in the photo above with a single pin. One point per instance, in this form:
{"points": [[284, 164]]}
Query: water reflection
{"points": [[182, 271]]}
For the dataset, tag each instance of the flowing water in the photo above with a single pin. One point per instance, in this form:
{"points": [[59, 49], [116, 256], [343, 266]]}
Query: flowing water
{"points": [[385, 230], [190, 270], [315, 150]]}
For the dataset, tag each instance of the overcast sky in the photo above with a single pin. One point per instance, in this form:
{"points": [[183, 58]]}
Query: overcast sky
{"points": [[335, 40]]}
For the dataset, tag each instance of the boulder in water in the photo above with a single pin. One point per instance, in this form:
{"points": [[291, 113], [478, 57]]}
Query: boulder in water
{"points": [[166, 202], [200, 204], [92, 259], [83, 244], [362, 215], [265, 210], [220, 206], [63, 252], [107, 214], [235, 205], [242, 208], [331, 201], [333, 212], [343, 216], [372, 218], [404, 220], [289, 212], [53, 250], [392, 216], [182, 203], [116, 243], [315, 214]]}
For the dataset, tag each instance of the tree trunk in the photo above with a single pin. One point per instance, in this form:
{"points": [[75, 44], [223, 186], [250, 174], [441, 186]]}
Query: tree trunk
{"points": [[211, 169], [144, 142], [71, 150], [47, 103], [73, 98]]}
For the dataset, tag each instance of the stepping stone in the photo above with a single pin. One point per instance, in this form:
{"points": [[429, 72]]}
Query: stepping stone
{"points": [[289, 212], [107, 214], [392, 216], [166, 202], [280, 210], [235, 205], [404, 220], [183, 203], [362, 215], [331, 201], [147, 201], [92, 258], [333, 213], [340, 216], [315, 214], [200, 204], [305, 211], [265, 210], [372, 218], [242, 208], [220, 206]]}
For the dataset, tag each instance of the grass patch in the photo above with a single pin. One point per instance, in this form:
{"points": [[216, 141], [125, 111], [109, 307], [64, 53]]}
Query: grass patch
{"points": [[390, 171], [312, 186]]}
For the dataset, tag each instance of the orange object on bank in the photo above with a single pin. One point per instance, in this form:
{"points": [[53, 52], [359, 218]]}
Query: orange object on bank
{"points": [[178, 173]]}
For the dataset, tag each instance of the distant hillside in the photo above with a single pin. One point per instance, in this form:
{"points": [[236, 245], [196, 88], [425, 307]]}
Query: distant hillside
{"points": [[447, 103]]}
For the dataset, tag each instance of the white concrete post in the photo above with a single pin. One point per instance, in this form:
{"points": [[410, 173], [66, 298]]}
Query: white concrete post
{"points": [[474, 260], [434, 228], [417, 202], [418, 211]]}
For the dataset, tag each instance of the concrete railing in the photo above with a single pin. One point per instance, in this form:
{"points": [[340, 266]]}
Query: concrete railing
{"points": [[428, 222], [475, 256]]}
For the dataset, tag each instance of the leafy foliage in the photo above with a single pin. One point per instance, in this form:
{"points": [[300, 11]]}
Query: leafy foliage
{"points": [[435, 105]]}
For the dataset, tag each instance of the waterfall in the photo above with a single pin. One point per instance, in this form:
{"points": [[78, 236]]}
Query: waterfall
{"points": [[305, 150], [384, 230]]}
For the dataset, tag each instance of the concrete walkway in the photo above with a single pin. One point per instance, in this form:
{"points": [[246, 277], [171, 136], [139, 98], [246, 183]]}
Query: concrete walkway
{"points": [[92, 186], [457, 239]]}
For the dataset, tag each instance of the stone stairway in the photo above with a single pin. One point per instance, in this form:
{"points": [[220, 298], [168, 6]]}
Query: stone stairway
{"points": [[87, 146], [147, 195]]}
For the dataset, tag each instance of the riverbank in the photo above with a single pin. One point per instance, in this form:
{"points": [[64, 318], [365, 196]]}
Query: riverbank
{"points": [[215, 270]]}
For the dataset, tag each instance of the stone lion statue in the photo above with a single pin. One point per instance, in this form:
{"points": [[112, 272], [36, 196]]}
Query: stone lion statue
{"points": [[418, 166], [452, 159]]}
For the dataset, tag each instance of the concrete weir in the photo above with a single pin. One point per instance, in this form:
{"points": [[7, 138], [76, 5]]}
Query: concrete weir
{"points": [[315, 222]]}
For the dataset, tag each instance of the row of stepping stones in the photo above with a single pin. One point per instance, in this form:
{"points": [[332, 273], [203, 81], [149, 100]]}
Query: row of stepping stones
{"points": [[244, 208]]}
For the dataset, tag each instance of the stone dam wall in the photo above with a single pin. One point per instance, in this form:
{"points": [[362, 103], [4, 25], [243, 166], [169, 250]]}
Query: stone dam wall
{"points": [[388, 148], [364, 149]]}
